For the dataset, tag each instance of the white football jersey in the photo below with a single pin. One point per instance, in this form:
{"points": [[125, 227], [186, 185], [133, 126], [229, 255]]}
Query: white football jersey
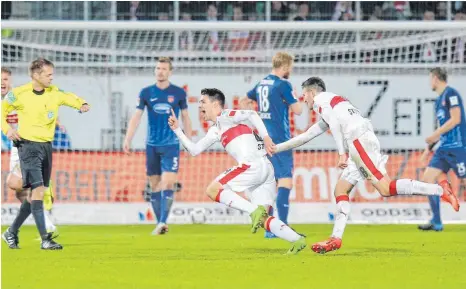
{"points": [[235, 130], [333, 107]]}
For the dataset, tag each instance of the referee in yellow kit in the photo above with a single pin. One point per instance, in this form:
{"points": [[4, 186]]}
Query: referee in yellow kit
{"points": [[37, 104]]}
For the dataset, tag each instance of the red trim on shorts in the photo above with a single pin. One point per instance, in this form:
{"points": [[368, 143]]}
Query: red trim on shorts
{"points": [[232, 113], [233, 174], [267, 223], [217, 198], [234, 132], [393, 191], [367, 160], [342, 198]]}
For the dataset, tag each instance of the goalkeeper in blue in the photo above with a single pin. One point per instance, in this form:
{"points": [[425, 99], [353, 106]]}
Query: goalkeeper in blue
{"points": [[162, 147], [451, 135], [274, 97]]}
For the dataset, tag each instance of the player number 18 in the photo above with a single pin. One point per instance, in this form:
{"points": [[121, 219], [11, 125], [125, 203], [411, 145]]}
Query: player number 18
{"points": [[264, 103]]}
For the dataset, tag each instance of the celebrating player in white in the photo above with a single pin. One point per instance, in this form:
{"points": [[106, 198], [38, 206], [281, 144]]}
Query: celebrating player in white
{"points": [[254, 173], [351, 130]]}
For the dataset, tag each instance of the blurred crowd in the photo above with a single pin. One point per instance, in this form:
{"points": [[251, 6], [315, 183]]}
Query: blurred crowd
{"points": [[234, 10]]}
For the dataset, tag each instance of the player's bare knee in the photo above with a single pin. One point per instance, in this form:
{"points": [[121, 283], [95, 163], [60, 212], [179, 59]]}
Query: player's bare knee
{"points": [[285, 183], [213, 190], [37, 193]]}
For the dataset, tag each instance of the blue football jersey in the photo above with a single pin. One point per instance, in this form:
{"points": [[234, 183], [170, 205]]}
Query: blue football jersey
{"points": [[455, 138], [159, 103], [273, 96]]}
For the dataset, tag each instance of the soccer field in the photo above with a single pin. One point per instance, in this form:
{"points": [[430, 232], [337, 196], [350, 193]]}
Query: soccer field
{"points": [[209, 256]]}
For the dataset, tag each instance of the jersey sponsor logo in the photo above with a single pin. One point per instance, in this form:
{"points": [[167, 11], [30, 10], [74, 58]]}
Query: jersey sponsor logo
{"points": [[171, 98], [10, 97], [454, 100], [162, 108]]}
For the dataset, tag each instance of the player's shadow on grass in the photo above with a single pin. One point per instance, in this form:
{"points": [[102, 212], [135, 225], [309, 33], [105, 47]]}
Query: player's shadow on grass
{"points": [[370, 252]]}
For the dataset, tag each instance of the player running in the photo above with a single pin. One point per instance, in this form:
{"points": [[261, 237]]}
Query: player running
{"points": [[274, 96], [254, 173], [14, 179], [163, 148], [351, 130], [451, 153]]}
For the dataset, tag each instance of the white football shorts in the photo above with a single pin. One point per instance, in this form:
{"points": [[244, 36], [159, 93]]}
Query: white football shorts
{"points": [[255, 178]]}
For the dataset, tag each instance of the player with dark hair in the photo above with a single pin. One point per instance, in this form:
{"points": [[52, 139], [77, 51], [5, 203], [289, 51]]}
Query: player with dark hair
{"points": [[162, 148], [354, 133], [274, 96], [254, 174], [451, 152], [37, 105]]}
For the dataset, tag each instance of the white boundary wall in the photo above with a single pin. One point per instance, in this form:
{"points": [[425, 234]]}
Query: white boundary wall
{"points": [[213, 213]]}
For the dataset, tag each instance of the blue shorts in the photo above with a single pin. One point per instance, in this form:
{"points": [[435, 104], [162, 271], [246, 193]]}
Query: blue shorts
{"points": [[282, 164], [446, 159], [160, 159]]}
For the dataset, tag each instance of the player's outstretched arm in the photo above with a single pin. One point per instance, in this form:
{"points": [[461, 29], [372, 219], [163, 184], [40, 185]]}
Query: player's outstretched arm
{"points": [[193, 148], [72, 100], [314, 131]]}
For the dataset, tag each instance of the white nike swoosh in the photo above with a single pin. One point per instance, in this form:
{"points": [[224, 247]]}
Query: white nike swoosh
{"points": [[154, 99]]}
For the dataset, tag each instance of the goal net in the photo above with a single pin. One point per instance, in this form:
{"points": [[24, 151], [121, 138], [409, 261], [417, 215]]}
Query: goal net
{"points": [[381, 67]]}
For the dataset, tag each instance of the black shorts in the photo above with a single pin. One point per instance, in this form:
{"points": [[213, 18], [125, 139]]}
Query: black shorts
{"points": [[36, 163]]}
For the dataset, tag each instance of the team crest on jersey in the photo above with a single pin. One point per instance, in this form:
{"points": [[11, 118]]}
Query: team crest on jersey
{"points": [[171, 98], [50, 114], [10, 97]]}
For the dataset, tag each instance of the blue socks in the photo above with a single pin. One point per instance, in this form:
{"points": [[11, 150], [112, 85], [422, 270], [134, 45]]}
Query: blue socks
{"points": [[434, 202], [156, 202], [167, 202], [283, 203]]}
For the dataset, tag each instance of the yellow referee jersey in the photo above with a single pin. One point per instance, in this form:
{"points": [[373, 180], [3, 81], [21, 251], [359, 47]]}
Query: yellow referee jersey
{"points": [[37, 112]]}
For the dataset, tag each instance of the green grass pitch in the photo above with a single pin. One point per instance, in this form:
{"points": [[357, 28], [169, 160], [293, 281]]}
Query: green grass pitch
{"points": [[210, 256]]}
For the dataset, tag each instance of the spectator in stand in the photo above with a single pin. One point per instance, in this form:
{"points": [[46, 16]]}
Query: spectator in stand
{"points": [[441, 11], [343, 11], [429, 16], [279, 11], [213, 35], [186, 37], [428, 50], [303, 13], [396, 10], [238, 40], [460, 43], [163, 16]]}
